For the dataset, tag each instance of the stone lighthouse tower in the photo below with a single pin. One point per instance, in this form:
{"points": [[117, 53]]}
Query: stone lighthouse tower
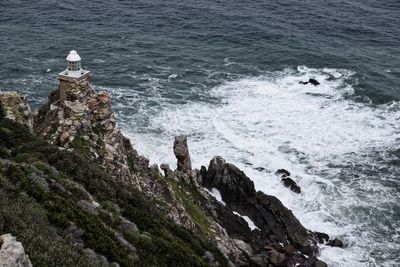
{"points": [[74, 81]]}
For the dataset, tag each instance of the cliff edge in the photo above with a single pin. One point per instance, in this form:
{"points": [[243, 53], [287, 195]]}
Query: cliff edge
{"points": [[80, 157]]}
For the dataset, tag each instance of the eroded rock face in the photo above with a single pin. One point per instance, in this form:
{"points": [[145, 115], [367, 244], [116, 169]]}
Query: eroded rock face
{"points": [[181, 152], [267, 212], [16, 108], [12, 253], [77, 117]]}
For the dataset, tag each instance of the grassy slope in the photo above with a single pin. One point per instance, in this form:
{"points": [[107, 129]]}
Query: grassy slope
{"points": [[40, 190]]}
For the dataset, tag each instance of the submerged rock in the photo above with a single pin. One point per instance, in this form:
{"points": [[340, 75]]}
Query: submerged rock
{"points": [[282, 173], [335, 243], [313, 82], [288, 182], [310, 81]]}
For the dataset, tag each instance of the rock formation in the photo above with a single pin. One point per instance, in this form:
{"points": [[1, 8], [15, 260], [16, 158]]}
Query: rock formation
{"points": [[16, 108], [12, 253], [277, 224], [287, 181], [78, 119], [181, 152], [310, 81]]}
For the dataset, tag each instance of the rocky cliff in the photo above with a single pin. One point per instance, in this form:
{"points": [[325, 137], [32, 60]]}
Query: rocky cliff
{"points": [[90, 164], [12, 252]]}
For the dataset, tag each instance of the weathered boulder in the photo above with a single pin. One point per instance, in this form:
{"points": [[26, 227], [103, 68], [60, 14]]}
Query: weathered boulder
{"points": [[12, 253], [16, 108], [181, 152]]}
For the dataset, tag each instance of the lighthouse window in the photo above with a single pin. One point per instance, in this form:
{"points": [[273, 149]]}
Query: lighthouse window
{"points": [[74, 65]]}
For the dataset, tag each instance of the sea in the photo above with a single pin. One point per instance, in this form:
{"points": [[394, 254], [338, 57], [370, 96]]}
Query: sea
{"points": [[226, 74]]}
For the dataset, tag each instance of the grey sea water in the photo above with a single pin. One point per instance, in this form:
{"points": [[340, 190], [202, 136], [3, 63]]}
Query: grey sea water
{"points": [[227, 74]]}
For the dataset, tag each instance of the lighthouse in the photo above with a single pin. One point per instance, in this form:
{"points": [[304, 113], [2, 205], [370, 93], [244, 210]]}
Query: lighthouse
{"points": [[73, 80], [74, 69]]}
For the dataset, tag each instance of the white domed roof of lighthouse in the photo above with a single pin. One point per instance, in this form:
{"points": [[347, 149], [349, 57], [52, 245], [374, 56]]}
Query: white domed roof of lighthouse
{"points": [[73, 56]]}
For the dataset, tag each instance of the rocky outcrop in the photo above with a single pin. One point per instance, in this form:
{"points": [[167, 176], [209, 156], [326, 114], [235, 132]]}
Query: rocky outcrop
{"points": [[78, 118], [12, 253], [16, 108], [228, 179], [83, 120], [181, 152], [277, 224]]}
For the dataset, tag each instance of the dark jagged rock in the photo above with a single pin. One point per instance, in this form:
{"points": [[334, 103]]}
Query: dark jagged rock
{"points": [[267, 212], [283, 223], [321, 237], [288, 182], [282, 173], [232, 183], [313, 82], [314, 262], [310, 81], [181, 152], [335, 243]]}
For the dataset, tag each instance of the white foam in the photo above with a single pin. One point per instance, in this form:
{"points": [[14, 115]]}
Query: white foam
{"points": [[251, 224], [215, 193], [274, 122]]}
